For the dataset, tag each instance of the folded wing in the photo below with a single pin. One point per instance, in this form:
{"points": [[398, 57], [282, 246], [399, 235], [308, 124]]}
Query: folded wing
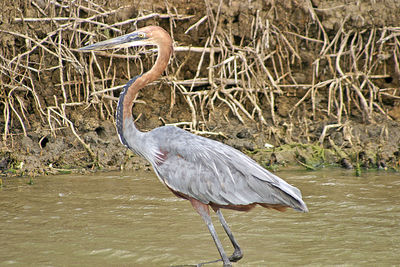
{"points": [[212, 172]]}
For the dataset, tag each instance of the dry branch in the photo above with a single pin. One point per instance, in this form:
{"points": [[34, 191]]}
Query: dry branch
{"points": [[247, 76], [150, 16]]}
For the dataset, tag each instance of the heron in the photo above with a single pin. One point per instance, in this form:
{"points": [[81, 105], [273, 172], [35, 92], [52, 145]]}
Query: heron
{"points": [[206, 172]]}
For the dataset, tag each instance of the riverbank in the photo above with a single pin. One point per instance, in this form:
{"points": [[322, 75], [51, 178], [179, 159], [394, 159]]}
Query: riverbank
{"points": [[64, 154], [287, 83]]}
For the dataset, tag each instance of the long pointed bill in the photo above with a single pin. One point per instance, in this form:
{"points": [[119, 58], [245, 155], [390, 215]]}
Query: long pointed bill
{"points": [[124, 41]]}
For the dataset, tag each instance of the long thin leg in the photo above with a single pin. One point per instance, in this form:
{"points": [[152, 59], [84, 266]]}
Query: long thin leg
{"points": [[237, 254], [204, 212]]}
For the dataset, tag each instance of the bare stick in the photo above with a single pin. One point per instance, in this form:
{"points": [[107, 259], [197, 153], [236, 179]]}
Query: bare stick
{"points": [[326, 128], [197, 24], [149, 16]]}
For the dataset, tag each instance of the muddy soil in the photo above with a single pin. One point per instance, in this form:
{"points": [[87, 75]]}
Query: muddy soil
{"points": [[294, 138]]}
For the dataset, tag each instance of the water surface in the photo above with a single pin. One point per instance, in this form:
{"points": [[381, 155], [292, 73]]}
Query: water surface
{"points": [[130, 219]]}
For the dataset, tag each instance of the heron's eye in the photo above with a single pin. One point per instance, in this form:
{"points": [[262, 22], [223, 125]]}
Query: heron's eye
{"points": [[141, 35]]}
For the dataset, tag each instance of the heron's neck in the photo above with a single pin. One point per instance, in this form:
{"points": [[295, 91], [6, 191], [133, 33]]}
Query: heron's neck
{"points": [[125, 103], [161, 63]]}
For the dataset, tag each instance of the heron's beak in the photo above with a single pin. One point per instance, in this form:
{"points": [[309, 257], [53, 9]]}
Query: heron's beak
{"points": [[124, 41]]}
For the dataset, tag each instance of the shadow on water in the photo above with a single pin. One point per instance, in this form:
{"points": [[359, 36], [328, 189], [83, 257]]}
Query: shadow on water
{"points": [[131, 219]]}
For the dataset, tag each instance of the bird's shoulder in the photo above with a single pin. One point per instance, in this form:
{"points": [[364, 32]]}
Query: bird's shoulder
{"points": [[175, 140]]}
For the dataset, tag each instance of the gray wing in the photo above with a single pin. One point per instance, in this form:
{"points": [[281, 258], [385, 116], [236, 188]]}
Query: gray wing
{"points": [[210, 171]]}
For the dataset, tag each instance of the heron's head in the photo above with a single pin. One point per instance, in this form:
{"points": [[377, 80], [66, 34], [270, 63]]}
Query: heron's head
{"points": [[151, 35]]}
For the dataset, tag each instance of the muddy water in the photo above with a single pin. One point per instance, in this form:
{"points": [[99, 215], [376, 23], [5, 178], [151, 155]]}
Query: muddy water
{"points": [[130, 219]]}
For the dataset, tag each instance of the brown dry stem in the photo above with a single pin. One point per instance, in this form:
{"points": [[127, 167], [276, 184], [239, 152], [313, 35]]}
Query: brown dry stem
{"points": [[247, 75]]}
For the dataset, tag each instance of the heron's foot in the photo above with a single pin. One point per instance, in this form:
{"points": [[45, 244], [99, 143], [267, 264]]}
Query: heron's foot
{"points": [[237, 255]]}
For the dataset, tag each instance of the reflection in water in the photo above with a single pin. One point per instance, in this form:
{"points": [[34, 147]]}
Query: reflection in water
{"points": [[131, 219]]}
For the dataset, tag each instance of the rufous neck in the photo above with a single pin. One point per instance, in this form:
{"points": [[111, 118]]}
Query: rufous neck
{"points": [[164, 54]]}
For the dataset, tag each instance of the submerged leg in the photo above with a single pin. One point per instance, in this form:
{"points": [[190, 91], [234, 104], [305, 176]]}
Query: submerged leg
{"points": [[237, 254], [204, 212]]}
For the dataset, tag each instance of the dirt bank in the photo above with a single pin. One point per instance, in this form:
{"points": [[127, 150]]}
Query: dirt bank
{"points": [[298, 82]]}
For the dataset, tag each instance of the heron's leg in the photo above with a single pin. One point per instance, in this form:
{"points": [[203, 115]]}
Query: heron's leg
{"points": [[204, 212], [237, 254]]}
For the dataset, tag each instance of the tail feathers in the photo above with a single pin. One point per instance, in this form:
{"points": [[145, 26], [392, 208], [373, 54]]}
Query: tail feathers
{"points": [[297, 203], [302, 207], [291, 196]]}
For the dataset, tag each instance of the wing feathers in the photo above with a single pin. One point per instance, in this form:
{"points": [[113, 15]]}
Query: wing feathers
{"points": [[210, 171]]}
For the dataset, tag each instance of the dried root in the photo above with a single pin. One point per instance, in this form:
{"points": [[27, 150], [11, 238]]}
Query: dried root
{"points": [[247, 76]]}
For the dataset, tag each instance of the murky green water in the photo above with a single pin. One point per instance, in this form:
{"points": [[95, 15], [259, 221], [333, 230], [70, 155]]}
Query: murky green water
{"points": [[130, 219]]}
